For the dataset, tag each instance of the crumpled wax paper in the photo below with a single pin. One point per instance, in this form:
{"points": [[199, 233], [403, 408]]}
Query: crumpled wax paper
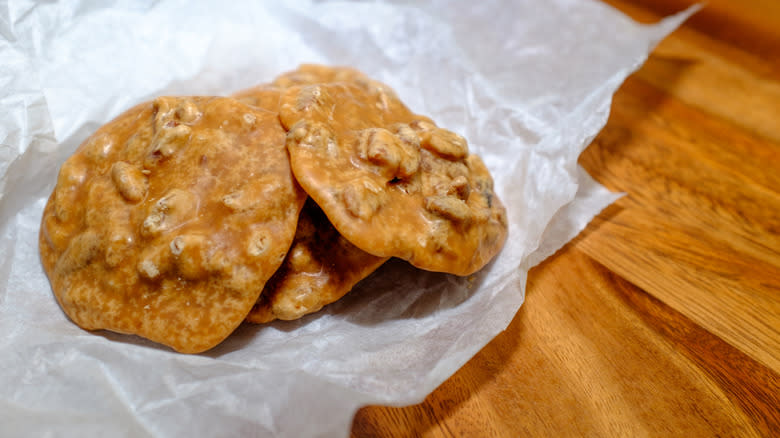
{"points": [[528, 83]]}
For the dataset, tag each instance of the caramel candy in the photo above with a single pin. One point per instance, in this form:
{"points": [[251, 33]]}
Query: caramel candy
{"points": [[170, 219], [390, 181]]}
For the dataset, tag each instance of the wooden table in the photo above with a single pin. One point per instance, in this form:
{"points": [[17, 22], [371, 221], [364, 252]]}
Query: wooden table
{"points": [[663, 317]]}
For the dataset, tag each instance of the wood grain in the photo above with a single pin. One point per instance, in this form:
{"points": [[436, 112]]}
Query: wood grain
{"points": [[663, 317]]}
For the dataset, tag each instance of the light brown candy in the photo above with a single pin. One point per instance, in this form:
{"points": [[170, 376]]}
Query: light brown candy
{"points": [[390, 181], [138, 237], [320, 268]]}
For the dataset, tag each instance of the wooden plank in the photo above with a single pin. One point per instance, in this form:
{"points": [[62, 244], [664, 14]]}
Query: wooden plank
{"points": [[733, 297], [699, 232], [716, 85], [749, 25], [716, 75], [602, 360], [746, 158], [676, 163]]}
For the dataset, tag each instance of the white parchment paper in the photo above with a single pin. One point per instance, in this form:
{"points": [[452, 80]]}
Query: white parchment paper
{"points": [[528, 83]]}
